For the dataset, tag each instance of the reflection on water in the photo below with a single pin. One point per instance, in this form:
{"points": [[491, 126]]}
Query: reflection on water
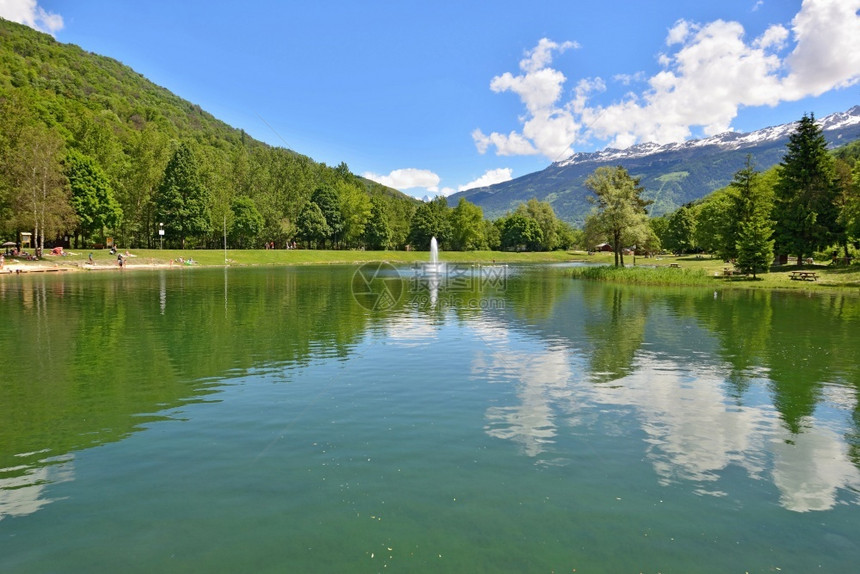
{"points": [[698, 397], [23, 492], [741, 400]]}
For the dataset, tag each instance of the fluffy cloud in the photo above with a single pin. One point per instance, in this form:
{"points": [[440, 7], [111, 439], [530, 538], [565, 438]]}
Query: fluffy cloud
{"points": [[410, 178], [827, 54], [29, 13], [710, 71], [489, 178], [549, 129]]}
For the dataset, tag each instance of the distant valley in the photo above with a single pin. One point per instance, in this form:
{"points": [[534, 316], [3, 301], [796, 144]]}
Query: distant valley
{"points": [[672, 174]]}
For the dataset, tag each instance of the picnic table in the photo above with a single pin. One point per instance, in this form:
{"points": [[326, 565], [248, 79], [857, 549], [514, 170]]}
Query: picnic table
{"points": [[803, 276], [674, 265]]}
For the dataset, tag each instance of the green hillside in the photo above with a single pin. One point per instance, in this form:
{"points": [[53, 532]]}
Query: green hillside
{"points": [[60, 100]]}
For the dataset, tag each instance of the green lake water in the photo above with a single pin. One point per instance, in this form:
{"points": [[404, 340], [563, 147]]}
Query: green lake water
{"points": [[345, 419]]}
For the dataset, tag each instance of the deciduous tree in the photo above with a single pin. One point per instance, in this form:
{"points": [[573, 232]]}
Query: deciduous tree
{"points": [[311, 226], [467, 230], [41, 191], [377, 232], [92, 196], [519, 231], [430, 220], [247, 222], [620, 214], [327, 200], [181, 201]]}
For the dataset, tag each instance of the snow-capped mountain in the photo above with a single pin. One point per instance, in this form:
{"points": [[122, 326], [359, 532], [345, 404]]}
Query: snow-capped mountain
{"points": [[728, 141], [672, 174]]}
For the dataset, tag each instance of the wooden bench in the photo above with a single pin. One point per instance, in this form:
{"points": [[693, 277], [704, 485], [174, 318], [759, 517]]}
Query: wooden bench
{"points": [[674, 265], [803, 276]]}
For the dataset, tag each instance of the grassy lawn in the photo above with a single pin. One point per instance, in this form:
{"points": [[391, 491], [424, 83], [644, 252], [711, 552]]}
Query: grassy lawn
{"points": [[692, 270], [211, 257]]}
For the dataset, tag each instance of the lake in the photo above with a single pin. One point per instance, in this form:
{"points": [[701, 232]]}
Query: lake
{"points": [[461, 419]]}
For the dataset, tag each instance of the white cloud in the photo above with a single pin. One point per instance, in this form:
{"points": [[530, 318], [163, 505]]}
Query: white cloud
{"points": [[408, 178], [775, 37], [512, 144], [541, 56], [678, 33], [709, 72], [548, 128], [29, 13], [827, 55], [489, 178]]}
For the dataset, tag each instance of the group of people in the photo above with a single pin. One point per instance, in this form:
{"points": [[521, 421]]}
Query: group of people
{"points": [[290, 245]]}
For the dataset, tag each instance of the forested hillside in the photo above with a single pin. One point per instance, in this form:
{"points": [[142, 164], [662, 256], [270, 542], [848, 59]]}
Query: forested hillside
{"points": [[89, 148]]}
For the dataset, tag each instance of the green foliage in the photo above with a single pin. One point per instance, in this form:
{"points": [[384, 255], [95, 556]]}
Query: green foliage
{"points": [[311, 225], [92, 196], [521, 232], [39, 194], [492, 234], [806, 208], [679, 236], [754, 246], [125, 125], [567, 237], [355, 210], [181, 201], [711, 225], [377, 233], [620, 217], [327, 200], [430, 220], [542, 214], [643, 275], [467, 227], [247, 223]]}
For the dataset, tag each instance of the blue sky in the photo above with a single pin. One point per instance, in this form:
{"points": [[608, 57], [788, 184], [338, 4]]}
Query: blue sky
{"points": [[434, 97]]}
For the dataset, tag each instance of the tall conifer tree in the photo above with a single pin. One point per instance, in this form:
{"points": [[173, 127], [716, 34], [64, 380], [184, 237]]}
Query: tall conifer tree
{"points": [[806, 209]]}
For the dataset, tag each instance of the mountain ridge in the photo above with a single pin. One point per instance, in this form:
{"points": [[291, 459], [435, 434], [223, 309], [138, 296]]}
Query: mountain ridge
{"points": [[672, 174]]}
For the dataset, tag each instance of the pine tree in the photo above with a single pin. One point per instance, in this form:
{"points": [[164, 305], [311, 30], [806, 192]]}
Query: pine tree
{"points": [[806, 209], [755, 247]]}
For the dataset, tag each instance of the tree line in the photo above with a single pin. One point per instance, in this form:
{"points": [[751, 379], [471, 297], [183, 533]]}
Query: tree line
{"points": [[181, 194], [807, 205], [91, 150]]}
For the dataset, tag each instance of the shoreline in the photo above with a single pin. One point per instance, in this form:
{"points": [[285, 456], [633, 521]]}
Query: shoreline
{"points": [[831, 279]]}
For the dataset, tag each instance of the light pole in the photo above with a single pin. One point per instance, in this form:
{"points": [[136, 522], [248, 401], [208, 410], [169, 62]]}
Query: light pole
{"points": [[161, 234]]}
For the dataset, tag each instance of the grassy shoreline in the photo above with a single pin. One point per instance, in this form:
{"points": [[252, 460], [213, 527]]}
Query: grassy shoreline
{"points": [[685, 270], [708, 272]]}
